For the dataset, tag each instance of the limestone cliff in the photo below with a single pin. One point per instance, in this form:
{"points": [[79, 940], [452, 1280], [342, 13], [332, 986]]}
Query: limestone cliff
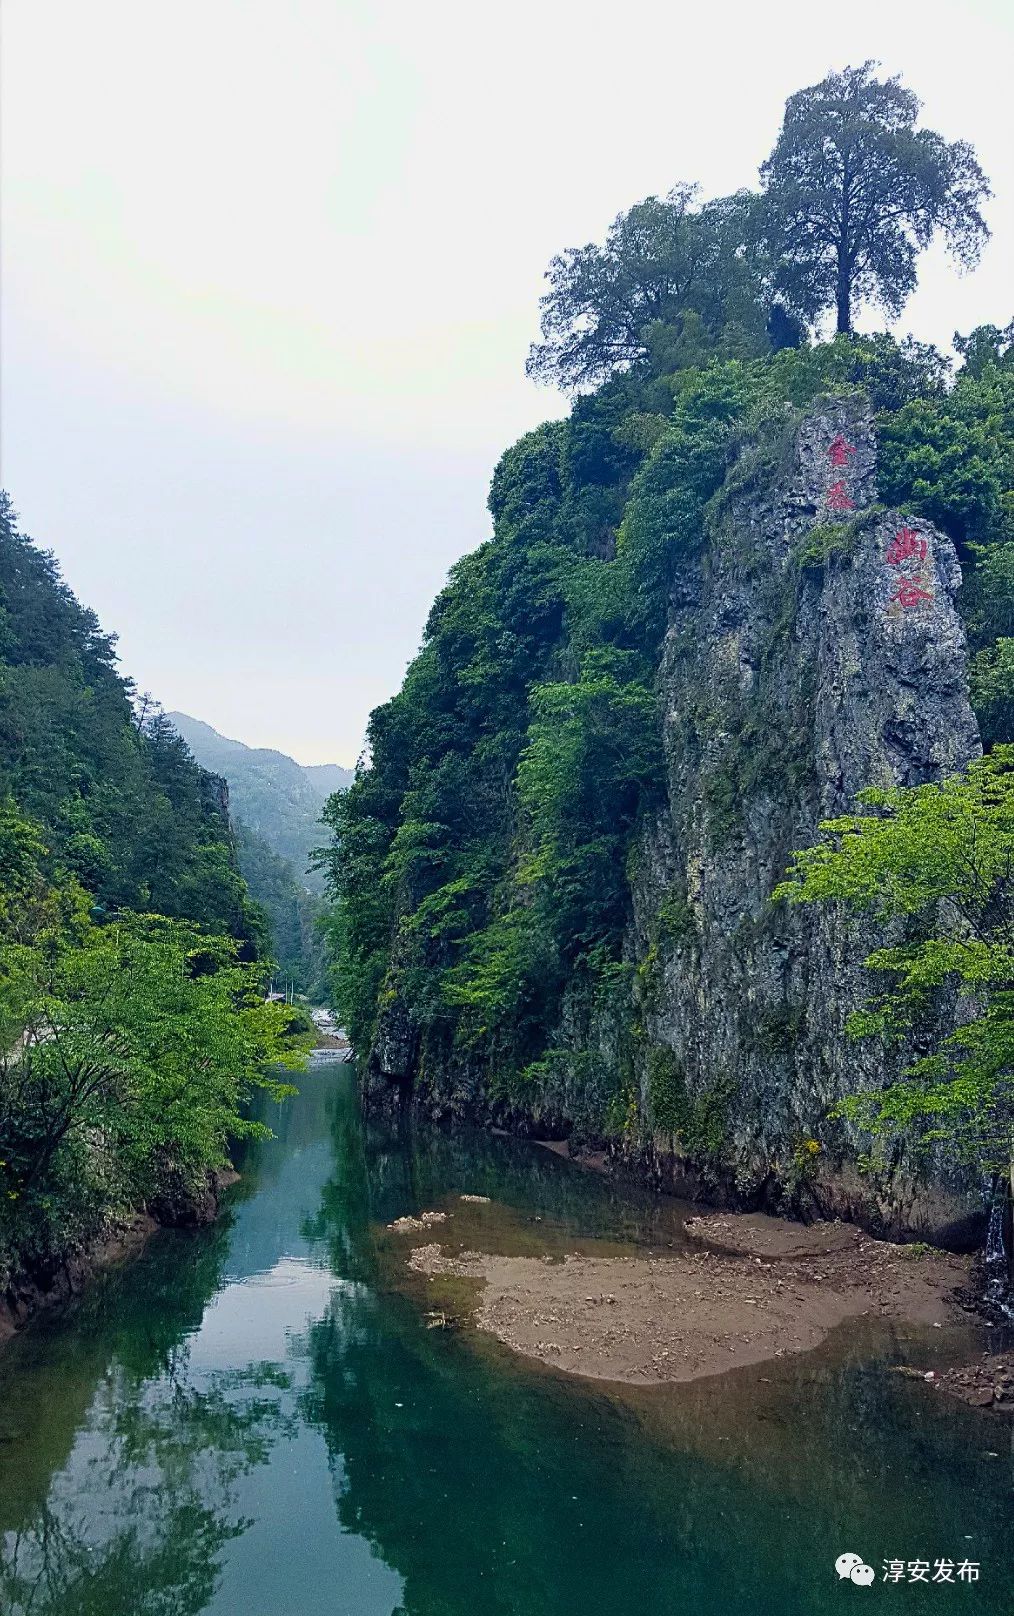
{"points": [[811, 657], [813, 648]]}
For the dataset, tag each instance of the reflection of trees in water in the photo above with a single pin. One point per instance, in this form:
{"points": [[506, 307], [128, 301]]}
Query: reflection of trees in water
{"points": [[341, 1223], [53, 1572], [139, 1526], [428, 1483], [386, 1166], [441, 1458], [487, 1485], [410, 1167], [133, 1509], [142, 1314], [135, 1321], [520, 1495]]}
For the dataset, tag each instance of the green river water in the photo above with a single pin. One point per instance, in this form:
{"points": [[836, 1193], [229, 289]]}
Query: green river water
{"points": [[256, 1420]]}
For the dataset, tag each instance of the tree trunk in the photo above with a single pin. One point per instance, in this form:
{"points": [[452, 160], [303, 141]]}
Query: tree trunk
{"points": [[844, 300]]}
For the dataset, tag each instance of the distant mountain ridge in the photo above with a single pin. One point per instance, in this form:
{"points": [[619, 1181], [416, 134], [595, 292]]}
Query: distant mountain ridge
{"points": [[277, 798], [328, 776]]}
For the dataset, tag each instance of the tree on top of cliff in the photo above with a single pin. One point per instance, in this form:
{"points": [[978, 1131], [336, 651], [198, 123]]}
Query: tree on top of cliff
{"points": [[987, 346], [673, 280], [853, 192]]}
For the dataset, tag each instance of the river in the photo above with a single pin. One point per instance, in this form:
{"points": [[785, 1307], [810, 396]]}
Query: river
{"points": [[257, 1419]]}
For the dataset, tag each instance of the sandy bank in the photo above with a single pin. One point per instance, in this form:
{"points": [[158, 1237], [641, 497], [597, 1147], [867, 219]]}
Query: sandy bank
{"points": [[745, 1289]]}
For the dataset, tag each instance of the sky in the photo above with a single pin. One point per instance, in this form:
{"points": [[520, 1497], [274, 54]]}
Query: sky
{"points": [[270, 270]]}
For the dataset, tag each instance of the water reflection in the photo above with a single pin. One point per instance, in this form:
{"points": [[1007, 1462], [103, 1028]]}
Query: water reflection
{"points": [[118, 1470], [255, 1419]]}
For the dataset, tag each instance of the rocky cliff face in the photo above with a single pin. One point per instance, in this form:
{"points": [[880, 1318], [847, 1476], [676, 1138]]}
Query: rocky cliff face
{"points": [[814, 648], [817, 652]]}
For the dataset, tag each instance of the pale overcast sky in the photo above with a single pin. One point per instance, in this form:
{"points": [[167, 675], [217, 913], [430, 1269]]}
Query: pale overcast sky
{"points": [[271, 268]]}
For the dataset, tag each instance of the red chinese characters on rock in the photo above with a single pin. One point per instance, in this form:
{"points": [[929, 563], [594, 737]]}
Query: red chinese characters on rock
{"points": [[905, 546], [839, 498], [908, 546], [909, 593], [840, 452]]}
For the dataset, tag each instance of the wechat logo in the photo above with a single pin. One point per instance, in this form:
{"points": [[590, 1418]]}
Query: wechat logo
{"points": [[852, 1567]]}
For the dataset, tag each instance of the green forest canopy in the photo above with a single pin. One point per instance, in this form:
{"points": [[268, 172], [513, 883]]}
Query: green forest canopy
{"points": [[481, 860], [132, 959]]}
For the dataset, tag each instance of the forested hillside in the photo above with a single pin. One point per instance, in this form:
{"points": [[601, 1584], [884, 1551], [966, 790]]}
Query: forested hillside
{"points": [[293, 913], [131, 1015], [276, 804], [274, 796], [675, 657], [123, 805]]}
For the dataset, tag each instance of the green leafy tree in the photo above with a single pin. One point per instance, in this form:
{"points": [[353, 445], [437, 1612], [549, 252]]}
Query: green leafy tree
{"points": [[672, 277], [853, 192], [132, 1022], [987, 345], [129, 1048], [951, 459], [592, 761], [940, 857]]}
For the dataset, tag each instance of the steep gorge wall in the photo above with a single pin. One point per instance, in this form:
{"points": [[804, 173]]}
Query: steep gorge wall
{"points": [[811, 657], [813, 648]]}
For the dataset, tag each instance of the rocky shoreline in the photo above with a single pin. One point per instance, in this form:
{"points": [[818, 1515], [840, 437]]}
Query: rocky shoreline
{"points": [[987, 1383], [57, 1282]]}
